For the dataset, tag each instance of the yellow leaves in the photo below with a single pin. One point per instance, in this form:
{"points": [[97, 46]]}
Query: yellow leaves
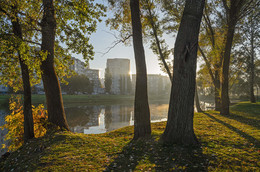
{"points": [[15, 122]]}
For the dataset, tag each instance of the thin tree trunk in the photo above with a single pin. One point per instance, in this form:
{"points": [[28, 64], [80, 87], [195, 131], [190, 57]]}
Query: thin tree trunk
{"points": [[252, 65], [225, 70], [155, 34], [179, 128], [27, 104], [56, 114], [197, 101], [217, 91], [142, 126], [215, 80], [233, 13]]}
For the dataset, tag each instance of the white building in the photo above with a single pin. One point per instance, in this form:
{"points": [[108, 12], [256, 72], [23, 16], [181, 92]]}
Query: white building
{"points": [[119, 69]]}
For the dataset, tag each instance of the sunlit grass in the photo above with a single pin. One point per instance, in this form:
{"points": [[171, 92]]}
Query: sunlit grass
{"points": [[228, 143]]}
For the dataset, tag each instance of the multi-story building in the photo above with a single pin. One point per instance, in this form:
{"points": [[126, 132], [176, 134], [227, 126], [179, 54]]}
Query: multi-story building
{"points": [[93, 76], [119, 69], [79, 67], [156, 84]]}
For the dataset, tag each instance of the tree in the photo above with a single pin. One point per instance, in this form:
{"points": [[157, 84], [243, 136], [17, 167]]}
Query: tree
{"points": [[250, 29], [78, 84], [73, 35], [56, 113], [142, 126], [179, 128], [108, 81], [10, 11], [235, 11]]}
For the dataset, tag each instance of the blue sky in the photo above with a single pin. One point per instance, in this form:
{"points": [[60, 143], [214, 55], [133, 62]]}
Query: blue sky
{"points": [[102, 40]]}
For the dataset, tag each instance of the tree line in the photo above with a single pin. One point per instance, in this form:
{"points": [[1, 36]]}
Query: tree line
{"points": [[208, 26]]}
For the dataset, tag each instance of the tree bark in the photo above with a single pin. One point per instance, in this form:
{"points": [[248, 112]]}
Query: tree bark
{"points": [[27, 103], [179, 128], [217, 90], [197, 101], [56, 114], [142, 126]]}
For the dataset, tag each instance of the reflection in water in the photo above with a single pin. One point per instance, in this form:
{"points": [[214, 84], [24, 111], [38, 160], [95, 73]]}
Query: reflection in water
{"points": [[101, 119]]}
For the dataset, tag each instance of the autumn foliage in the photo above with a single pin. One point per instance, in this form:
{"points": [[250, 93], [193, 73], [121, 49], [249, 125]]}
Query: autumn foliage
{"points": [[14, 122]]}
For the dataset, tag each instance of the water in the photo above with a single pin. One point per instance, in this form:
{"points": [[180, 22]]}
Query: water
{"points": [[105, 118]]}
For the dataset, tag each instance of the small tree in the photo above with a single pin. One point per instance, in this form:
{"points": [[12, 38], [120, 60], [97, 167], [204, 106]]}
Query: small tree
{"points": [[108, 81]]}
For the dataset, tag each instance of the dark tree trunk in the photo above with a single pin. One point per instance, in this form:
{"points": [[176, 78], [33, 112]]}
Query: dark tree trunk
{"points": [[225, 71], [142, 125], [252, 65], [233, 13], [217, 91], [56, 114], [179, 128], [27, 104], [197, 101]]}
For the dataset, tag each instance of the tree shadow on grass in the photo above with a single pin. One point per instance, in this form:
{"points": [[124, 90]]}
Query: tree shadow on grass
{"points": [[241, 133], [252, 122], [149, 154]]}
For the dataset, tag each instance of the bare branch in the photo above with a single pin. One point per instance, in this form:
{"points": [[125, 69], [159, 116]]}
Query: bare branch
{"points": [[115, 43], [32, 42]]}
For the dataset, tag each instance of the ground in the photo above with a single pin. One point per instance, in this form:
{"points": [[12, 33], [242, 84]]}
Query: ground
{"points": [[228, 143]]}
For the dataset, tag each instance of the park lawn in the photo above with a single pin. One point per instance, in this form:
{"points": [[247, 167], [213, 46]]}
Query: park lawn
{"points": [[228, 143]]}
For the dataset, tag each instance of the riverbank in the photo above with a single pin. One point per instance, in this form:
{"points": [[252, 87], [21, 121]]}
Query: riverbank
{"points": [[227, 143], [102, 99]]}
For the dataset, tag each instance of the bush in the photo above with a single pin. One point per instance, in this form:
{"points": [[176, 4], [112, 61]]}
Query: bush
{"points": [[15, 123]]}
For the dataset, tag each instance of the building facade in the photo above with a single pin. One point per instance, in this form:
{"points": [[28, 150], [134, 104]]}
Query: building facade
{"points": [[156, 84], [119, 69]]}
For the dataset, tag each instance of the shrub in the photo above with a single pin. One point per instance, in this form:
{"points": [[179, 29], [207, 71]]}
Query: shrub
{"points": [[15, 122]]}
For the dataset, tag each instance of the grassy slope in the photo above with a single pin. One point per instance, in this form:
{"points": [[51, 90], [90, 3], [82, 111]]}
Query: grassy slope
{"points": [[228, 143]]}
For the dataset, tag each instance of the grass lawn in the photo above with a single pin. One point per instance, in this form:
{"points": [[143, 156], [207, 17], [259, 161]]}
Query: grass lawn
{"points": [[228, 143]]}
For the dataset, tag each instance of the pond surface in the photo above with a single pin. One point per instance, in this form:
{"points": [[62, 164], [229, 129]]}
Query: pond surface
{"points": [[103, 118]]}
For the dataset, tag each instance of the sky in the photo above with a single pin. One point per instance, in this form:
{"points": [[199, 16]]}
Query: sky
{"points": [[102, 40]]}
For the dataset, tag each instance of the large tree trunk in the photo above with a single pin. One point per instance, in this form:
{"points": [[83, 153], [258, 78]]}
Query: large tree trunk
{"points": [[27, 104], [142, 126], [179, 128], [56, 114]]}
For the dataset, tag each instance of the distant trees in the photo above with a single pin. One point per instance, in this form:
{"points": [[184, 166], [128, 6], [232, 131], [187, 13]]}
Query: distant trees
{"points": [[142, 126], [179, 128], [78, 84], [108, 80]]}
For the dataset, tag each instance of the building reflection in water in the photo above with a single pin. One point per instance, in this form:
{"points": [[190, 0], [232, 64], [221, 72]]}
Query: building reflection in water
{"points": [[101, 119]]}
